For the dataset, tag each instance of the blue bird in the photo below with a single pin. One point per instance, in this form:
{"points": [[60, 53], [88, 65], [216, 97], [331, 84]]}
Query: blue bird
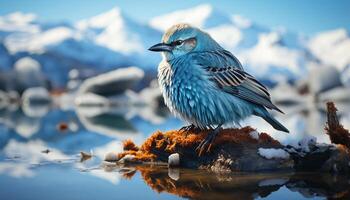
{"points": [[206, 86]]}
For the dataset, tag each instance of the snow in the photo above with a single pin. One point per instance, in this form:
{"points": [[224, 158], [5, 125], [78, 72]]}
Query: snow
{"points": [[331, 47], [117, 32], [271, 153], [254, 135], [37, 42], [268, 52], [112, 39], [203, 16]]}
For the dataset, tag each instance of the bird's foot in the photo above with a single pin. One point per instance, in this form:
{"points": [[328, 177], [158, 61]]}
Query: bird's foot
{"points": [[190, 128], [206, 144]]}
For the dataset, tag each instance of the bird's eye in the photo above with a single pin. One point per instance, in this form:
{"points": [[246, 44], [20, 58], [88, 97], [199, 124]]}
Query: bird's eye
{"points": [[178, 42]]}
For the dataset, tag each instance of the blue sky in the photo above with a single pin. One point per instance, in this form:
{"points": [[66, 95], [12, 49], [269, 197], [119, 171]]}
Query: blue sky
{"points": [[308, 17]]}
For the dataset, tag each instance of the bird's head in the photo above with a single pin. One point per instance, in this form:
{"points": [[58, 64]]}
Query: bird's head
{"points": [[181, 39]]}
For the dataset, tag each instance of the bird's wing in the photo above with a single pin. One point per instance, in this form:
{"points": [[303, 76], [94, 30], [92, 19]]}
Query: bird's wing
{"points": [[216, 59], [241, 84]]}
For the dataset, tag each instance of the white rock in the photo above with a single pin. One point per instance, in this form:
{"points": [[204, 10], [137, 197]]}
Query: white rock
{"points": [[127, 158], [174, 160], [111, 157], [113, 82]]}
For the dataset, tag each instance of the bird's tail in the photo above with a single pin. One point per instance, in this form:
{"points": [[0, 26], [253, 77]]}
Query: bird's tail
{"points": [[272, 121]]}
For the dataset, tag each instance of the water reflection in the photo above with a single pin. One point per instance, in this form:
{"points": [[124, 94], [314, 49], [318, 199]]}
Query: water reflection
{"points": [[200, 184], [41, 141]]}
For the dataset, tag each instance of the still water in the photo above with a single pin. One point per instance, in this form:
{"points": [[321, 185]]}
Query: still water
{"points": [[39, 159]]}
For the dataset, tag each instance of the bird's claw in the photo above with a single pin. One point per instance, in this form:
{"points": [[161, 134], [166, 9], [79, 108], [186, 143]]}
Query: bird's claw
{"points": [[203, 147], [206, 144], [189, 128]]}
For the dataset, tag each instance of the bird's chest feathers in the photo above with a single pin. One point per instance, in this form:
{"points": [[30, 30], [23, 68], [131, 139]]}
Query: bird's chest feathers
{"points": [[183, 87]]}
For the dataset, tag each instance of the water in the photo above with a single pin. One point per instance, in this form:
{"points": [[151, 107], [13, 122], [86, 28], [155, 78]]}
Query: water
{"points": [[39, 159]]}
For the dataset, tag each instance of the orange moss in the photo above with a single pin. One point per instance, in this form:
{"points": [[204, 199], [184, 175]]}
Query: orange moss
{"points": [[139, 155], [164, 144], [129, 145], [337, 133]]}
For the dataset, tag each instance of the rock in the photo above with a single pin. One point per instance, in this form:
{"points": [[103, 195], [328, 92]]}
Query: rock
{"points": [[243, 150], [85, 156], [28, 74], [324, 78], [345, 76], [337, 94], [127, 159], [174, 160], [233, 150], [112, 83], [111, 157]]}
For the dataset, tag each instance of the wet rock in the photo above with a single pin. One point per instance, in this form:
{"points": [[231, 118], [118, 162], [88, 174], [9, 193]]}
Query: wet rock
{"points": [[112, 83], [245, 150], [233, 150], [174, 160], [111, 157], [127, 159]]}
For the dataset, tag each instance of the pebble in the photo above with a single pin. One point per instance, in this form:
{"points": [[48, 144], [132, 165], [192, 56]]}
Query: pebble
{"points": [[127, 158], [174, 160], [111, 157]]}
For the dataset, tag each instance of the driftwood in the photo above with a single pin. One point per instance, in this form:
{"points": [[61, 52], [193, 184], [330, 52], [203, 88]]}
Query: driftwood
{"points": [[240, 150]]}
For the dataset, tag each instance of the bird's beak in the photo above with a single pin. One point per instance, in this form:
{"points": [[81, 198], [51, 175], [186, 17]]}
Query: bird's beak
{"points": [[161, 47]]}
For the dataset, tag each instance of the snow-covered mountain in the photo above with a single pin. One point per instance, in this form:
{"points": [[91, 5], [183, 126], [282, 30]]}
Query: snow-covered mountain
{"points": [[112, 39], [103, 42]]}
